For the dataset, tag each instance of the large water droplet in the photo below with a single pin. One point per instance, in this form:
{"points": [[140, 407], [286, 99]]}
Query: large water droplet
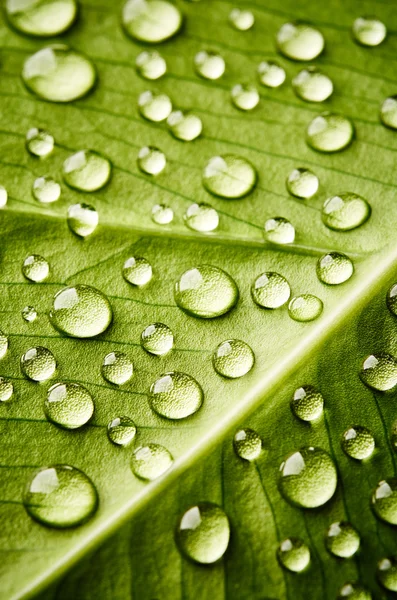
{"points": [[308, 478], [35, 268], [150, 64], [384, 500], [38, 364], [379, 371], [369, 31], [294, 555], [121, 431], [69, 405], [229, 176], [270, 290], [184, 126], [300, 41], [117, 368], [3, 196], [201, 217], [391, 299], [81, 311], [137, 270], [387, 573], [151, 461], [39, 142], [203, 533], [342, 539], [209, 65], [175, 395], [41, 19], [151, 21], [157, 339], [46, 190], [279, 231], [307, 403], [334, 268], [151, 160], [87, 171], [233, 359], [29, 314], [330, 132], [6, 389], [3, 344], [354, 591], [345, 211], [154, 106], [388, 112], [162, 214], [247, 444], [271, 74], [82, 219], [358, 442], [60, 496], [241, 19], [302, 183], [59, 74], [245, 97], [312, 85], [206, 292], [305, 307]]}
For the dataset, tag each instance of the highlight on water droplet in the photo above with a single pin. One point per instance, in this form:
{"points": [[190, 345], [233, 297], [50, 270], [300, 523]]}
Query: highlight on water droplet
{"points": [[60, 496], [240, 19], [151, 160], [81, 311], [137, 270], [3, 196], [154, 106], [201, 217], [39, 142], [300, 41], [229, 176], [233, 359], [358, 442], [35, 268], [302, 183], [245, 97], [151, 21], [379, 372], [41, 19], [369, 31], [29, 314], [175, 395], [184, 126], [279, 230], [342, 539], [305, 308], [308, 478], [117, 368], [59, 74], [334, 268], [294, 555], [69, 405], [345, 211], [157, 339], [82, 219], [387, 573], [3, 344], [87, 171], [151, 461], [162, 214], [270, 290], [206, 291], [209, 65], [150, 64], [247, 444], [271, 74], [46, 190], [307, 403], [203, 533], [6, 389], [354, 591], [121, 431], [384, 500], [38, 364], [330, 132], [388, 112], [312, 85]]}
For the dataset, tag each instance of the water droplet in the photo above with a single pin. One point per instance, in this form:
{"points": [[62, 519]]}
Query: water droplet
{"points": [[117, 368], [229, 176], [345, 211], [206, 292], [46, 190], [3, 344], [302, 183], [379, 371], [69, 405], [151, 461], [201, 217], [209, 65], [334, 268], [3, 196], [162, 214], [81, 311], [137, 271], [39, 142], [38, 364], [175, 395], [157, 339], [245, 97], [391, 299], [308, 478], [300, 41], [203, 533], [384, 500], [270, 290], [247, 444], [60, 496], [82, 219], [154, 106], [294, 555], [121, 431], [358, 442], [151, 21], [87, 171], [354, 591], [305, 307], [233, 358], [184, 126], [29, 314], [151, 160], [369, 31], [6, 389], [388, 112], [271, 74], [387, 573], [342, 539], [59, 74], [41, 19], [307, 403], [150, 64], [241, 19], [330, 132], [35, 268], [312, 85], [279, 231]]}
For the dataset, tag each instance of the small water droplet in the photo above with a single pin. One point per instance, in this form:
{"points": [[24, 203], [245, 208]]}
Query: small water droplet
{"points": [[305, 307], [203, 533], [312, 85], [387, 573], [334, 268], [157, 339], [175, 395], [151, 160], [38, 364], [241, 19], [154, 106], [150, 65], [201, 217], [307, 403], [388, 112], [39, 142], [35, 268], [245, 97], [46, 190], [233, 359], [302, 183], [206, 292], [87, 171], [308, 478], [162, 214], [3, 196], [279, 231], [60, 496], [384, 500], [247, 444], [271, 74], [68, 405], [330, 132], [151, 461], [29, 314], [209, 65], [358, 442], [354, 591], [121, 431], [117, 368], [342, 539], [184, 126], [137, 270], [59, 74], [345, 211], [6, 389], [41, 19], [81, 311], [369, 31], [379, 371], [3, 344], [300, 41], [229, 176], [151, 21], [270, 290], [391, 299], [82, 219], [294, 555]]}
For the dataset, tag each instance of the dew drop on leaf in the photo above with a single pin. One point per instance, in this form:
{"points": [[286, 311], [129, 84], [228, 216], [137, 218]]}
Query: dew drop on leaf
{"points": [[121, 431], [6, 389], [150, 64], [270, 290], [294, 555], [247, 444], [342, 539], [307, 403], [300, 41], [3, 196], [81, 311], [305, 307], [354, 591], [69, 405], [308, 478], [244, 97], [358, 442], [162, 214], [312, 85], [137, 270], [242, 20], [154, 106], [87, 171], [379, 372], [369, 31], [41, 19], [3, 344], [60, 496], [157, 339], [330, 132], [59, 74], [46, 190], [35, 268], [334, 268], [302, 183], [233, 359], [384, 500], [209, 65], [271, 74], [82, 219], [151, 21], [38, 364], [388, 112], [203, 533], [279, 231], [345, 211], [387, 573], [175, 395], [29, 314], [184, 126], [201, 217], [151, 160], [117, 368], [229, 176], [151, 461], [39, 142]]}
